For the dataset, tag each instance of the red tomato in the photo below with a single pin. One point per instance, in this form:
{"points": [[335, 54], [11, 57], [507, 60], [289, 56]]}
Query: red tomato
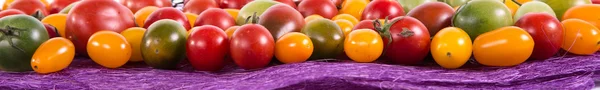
{"points": [[8, 12], [434, 15], [380, 9], [596, 1], [136, 5], [546, 31], [409, 42], [252, 46], [364, 24], [197, 6], [29, 6], [207, 47], [235, 4], [51, 31], [58, 5], [90, 16], [288, 2], [216, 17], [281, 19], [168, 13], [324, 8]]}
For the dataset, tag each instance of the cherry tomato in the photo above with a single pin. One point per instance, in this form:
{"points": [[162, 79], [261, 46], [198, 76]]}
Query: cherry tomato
{"points": [[380, 9], [354, 8], [365, 24], [29, 6], [168, 13], [407, 42], [58, 21], [216, 17], [588, 12], [109, 49], [325, 8], [507, 46], [142, 15], [230, 31], [191, 17], [312, 17], [434, 15], [134, 37], [281, 19], [451, 47], [346, 17], [581, 37], [8, 12], [293, 47], [233, 12], [547, 33], [53, 55], [207, 47], [58, 5], [345, 25], [363, 45], [235, 4], [135, 5], [252, 46], [198, 6]]}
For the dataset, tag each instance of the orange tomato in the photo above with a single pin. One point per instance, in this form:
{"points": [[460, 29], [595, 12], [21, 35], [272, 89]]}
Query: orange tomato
{"points": [[507, 46], [230, 31], [345, 25], [142, 14], [512, 6], [451, 47], [134, 37], [233, 12], [354, 7], [363, 45], [293, 47], [312, 18], [346, 17], [191, 17], [58, 21], [581, 37], [53, 55], [109, 49], [6, 3], [588, 12]]}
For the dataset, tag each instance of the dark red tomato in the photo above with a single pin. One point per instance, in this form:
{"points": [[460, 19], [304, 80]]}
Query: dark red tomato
{"points": [[364, 24], [288, 2], [136, 5], [168, 13], [216, 17], [58, 5], [29, 6], [252, 46], [546, 31], [197, 6], [379, 9], [207, 47], [325, 8], [235, 4], [90, 16], [409, 42], [51, 31], [8, 12], [280, 19], [596, 1], [435, 15]]}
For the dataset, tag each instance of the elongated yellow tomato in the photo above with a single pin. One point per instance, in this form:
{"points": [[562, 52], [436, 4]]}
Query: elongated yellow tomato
{"points": [[134, 37], [57, 20], [581, 37], [451, 47], [109, 49], [345, 25], [293, 47], [53, 55], [587, 12], [507, 46], [363, 45]]}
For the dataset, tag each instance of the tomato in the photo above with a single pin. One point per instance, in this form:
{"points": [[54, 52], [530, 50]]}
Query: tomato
{"points": [[363, 45], [281, 19], [354, 8], [451, 47], [348, 17], [58, 21], [235, 4], [216, 17], [380, 9], [325, 8], [53, 55], [255, 7], [198, 6], [507, 46], [142, 15], [109, 49], [512, 6], [58, 5], [168, 13], [191, 18], [8, 12], [230, 31], [409, 5], [580, 37], [135, 5], [586, 12], [364, 24], [233, 13], [434, 15], [81, 24], [67, 9], [546, 31], [207, 47], [561, 6], [163, 45], [20, 36], [523, 1], [596, 1], [407, 40], [327, 38], [134, 37], [51, 31], [288, 2], [252, 46], [30, 7], [532, 7], [475, 19], [312, 18], [345, 25], [455, 3], [293, 47]]}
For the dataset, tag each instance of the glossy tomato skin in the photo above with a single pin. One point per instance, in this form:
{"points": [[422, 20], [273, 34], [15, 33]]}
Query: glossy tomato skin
{"points": [[281, 19], [53, 55], [58, 5], [410, 41], [20, 41], [198, 6], [451, 48], [364, 24], [29, 6], [586, 12], [546, 31], [207, 47], [235, 4], [379, 9], [581, 37], [168, 13], [81, 24], [252, 46], [325, 8], [216, 17], [136, 5], [293, 47], [507, 46], [288, 2], [363, 45], [109, 49], [434, 15], [8, 12], [327, 37], [163, 45]]}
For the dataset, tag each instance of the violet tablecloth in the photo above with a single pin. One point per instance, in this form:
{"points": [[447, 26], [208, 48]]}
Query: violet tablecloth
{"points": [[569, 72]]}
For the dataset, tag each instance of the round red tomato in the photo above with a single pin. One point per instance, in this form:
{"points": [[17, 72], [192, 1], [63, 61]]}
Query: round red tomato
{"points": [[136, 5], [168, 13], [434, 15], [546, 31], [8, 12], [197, 6], [288, 2], [29, 6], [380, 9], [216, 17], [252, 46], [235, 4], [58, 5], [90, 16], [280, 19], [364, 24], [207, 47], [324, 8], [407, 42]]}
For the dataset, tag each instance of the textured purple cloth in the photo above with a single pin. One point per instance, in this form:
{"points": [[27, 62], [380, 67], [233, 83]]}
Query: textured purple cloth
{"points": [[570, 72]]}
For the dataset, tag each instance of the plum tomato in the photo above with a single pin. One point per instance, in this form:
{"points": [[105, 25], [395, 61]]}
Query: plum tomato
{"points": [[581, 37], [363, 45], [216, 17], [207, 47], [451, 47], [109, 49], [53, 55], [507, 46], [134, 37], [546, 31], [293, 47], [380, 9]]}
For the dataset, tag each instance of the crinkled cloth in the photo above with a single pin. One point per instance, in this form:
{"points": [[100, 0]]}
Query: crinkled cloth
{"points": [[569, 72]]}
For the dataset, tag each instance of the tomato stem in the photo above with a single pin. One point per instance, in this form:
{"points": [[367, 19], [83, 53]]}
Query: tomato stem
{"points": [[253, 19], [9, 33], [38, 15]]}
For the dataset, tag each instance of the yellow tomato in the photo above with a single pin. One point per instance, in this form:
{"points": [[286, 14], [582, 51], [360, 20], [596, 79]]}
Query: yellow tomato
{"points": [[354, 7], [581, 37], [346, 17], [233, 12], [58, 21], [363, 45], [312, 17], [230, 31], [512, 6], [53, 55], [142, 14], [588, 12], [345, 25], [134, 37], [507, 46], [109, 49], [293, 47], [451, 47], [192, 18]]}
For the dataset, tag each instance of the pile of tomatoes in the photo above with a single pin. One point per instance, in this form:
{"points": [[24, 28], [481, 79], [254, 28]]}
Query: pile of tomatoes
{"points": [[35, 35]]}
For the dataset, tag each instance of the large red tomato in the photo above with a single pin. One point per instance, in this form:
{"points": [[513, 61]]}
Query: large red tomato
{"points": [[168, 13], [197, 6], [406, 40], [58, 5], [216, 17], [325, 8], [207, 47], [235, 4], [252, 46], [90, 16], [380, 9], [546, 31], [288, 2], [8, 12], [136, 5], [29, 6]]}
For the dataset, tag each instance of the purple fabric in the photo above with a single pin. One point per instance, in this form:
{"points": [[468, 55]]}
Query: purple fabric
{"points": [[570, 72]]}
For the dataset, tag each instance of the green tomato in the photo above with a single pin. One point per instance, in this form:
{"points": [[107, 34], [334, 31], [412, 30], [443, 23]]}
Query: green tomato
{"points": [[410, 4], [327, 38], [561, 6], [163, 45], [258, 7], [20, 36], [480, 16], [532, 7]]}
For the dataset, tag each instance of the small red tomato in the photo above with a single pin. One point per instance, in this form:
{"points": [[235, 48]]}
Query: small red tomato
{"points": [[407, 41], [8, 12], [546, 31], [235, 4], [323, 8], [207, 47], [168, 13], [380, 9], [216, 17], [252, 46], [29, 6], [198, 6]]}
